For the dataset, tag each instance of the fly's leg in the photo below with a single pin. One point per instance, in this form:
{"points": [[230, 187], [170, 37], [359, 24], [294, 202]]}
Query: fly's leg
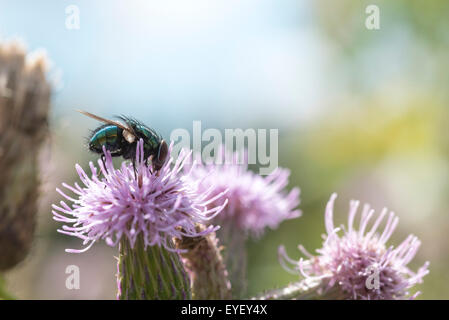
{"points": [[135, 169], [103, 159], [147, 164]]}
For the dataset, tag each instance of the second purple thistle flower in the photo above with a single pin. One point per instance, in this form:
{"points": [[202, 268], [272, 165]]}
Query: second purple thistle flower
{"points": [[255, 202]]}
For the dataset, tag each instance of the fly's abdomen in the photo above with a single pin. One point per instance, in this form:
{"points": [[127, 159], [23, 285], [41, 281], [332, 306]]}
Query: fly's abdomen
{"points": [[107, 136]]}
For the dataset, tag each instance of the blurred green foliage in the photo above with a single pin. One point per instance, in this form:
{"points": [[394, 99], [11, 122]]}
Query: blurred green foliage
{"points": [[397, 122], [345, 144]]}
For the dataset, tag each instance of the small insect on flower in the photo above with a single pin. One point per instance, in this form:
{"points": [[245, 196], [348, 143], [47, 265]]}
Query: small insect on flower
{"points": [[121, 140]]}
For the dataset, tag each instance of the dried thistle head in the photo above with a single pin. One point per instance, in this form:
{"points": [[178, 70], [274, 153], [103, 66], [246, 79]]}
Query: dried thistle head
{"points": [[24, 105]]}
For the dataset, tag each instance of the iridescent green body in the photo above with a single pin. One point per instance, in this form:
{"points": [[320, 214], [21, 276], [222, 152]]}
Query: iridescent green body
{"points": [[108, 136]]}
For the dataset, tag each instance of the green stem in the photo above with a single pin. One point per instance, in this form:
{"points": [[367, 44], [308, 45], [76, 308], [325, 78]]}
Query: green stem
{"points": [[306, 289], [235, 258], [153, 273], [4, 294]]}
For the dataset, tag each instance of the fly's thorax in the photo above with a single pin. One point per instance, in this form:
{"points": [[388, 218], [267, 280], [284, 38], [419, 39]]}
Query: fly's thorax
{"points": [[151, 140]]}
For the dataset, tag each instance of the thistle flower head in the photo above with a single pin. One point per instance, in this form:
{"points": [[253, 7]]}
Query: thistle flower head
{"points": [[358, 262], [158, 205], [254, 202]]}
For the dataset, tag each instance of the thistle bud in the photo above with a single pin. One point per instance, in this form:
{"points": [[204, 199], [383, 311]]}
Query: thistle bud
{"points": [[24, 105], [204, 263]]}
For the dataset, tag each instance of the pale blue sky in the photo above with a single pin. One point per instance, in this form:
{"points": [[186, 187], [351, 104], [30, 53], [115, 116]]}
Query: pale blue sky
{"points": [[228, 63]]}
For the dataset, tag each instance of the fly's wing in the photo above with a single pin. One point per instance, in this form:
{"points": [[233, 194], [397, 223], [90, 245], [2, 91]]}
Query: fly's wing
{"points": [[115, 123], [134, 122]]}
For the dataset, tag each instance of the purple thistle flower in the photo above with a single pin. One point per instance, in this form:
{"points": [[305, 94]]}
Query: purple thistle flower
{"points": [[359, 263], [255, 202], [156, 205]]}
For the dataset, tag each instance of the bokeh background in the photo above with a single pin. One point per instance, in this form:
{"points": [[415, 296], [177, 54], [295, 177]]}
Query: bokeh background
{"points": [[360, 112]]}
